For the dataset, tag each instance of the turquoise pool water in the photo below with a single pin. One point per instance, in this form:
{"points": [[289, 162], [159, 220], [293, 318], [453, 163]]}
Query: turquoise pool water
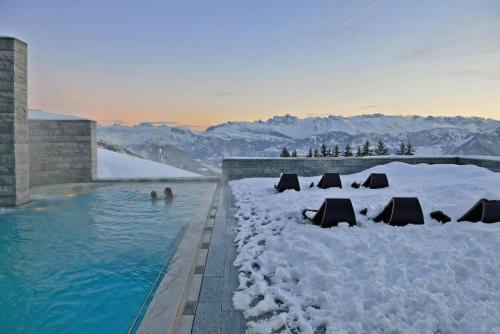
{"points": [[83, 259]]}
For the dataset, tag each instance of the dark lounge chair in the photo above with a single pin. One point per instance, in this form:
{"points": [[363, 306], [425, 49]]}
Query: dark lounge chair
{"points": [[332, 212], [330, 180], [485, 211], [376, 181], [401, 211], [288, 181]]}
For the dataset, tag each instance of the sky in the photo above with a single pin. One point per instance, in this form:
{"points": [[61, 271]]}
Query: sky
{"points": [[199, 63]]}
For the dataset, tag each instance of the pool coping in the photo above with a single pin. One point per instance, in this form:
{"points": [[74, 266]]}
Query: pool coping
{"points": [[166, 307], [159, 179], [215, 312], [206, 306]]}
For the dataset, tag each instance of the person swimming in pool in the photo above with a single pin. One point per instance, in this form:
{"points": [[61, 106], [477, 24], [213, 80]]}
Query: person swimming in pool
{"points": [[168, 193], [154, 195]]}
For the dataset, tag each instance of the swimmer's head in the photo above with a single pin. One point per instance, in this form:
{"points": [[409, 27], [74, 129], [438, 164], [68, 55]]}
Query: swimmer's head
{"points": [[168, 192], [154, 195]]}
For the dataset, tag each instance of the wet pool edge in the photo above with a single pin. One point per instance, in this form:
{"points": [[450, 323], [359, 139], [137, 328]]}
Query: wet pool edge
{"points": [[167, 304]]}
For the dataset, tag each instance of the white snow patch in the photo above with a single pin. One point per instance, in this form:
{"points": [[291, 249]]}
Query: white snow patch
{"points": [[116, 165], [42, 115], [371, 278]]}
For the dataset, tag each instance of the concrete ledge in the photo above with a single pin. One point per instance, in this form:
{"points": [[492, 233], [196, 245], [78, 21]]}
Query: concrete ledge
{"points": [[492, 163], [162, 179], [239, 168]]}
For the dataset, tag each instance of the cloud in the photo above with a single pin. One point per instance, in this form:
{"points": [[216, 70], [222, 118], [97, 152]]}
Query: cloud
{"points": [[457, 39], [416, 53], [106, 122], [157, 123], [312, 114], [175, 124], [372, 106], [486, 75], [168, 123]]}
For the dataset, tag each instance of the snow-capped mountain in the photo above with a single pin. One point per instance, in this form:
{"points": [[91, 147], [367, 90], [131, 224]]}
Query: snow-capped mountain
{"points": [[293, 127], [429, 135]]}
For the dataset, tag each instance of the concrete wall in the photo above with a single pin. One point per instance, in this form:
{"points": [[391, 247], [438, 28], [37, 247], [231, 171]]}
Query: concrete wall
{"points": [[14, 151], [62, 151], [492, 163], [238, 168]]}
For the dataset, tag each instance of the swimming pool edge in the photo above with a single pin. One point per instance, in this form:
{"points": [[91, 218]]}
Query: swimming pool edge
{"points": [[167, 305]]}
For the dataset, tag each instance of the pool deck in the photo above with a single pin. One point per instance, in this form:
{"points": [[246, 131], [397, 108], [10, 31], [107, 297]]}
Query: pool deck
{"points": [[206, 304], [215, 312]]}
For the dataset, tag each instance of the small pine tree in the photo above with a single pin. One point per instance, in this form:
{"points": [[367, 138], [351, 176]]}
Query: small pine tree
{"points": [[402, 149], [323, 150], [410, 150], [347, 151], [294, 153], [366, 151], [316, 153], [329, 153], [381, 149], [358, 152], [336, 152], [310, 153], [284, 153]]}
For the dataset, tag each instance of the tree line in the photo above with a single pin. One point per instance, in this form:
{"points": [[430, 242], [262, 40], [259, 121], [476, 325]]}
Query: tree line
{"points": [[364, 150]]}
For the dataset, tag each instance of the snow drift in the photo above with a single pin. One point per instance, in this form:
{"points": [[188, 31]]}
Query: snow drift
{"points": [[371, 278], [116, 165]]}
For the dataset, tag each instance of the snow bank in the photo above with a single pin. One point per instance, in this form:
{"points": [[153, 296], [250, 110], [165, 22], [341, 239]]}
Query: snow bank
{"points": [[371, 278], [117, 165], [42, 115]]}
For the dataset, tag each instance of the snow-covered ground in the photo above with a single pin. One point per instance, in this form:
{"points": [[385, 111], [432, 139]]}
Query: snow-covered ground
{"points": [[371, 278], [116, 165]]}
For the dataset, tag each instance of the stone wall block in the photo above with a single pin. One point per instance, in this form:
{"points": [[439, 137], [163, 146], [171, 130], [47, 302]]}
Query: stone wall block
{"points": [[62, 151]]}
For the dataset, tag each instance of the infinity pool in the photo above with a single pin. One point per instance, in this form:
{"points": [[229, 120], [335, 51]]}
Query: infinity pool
{"points": [[83, 258]]}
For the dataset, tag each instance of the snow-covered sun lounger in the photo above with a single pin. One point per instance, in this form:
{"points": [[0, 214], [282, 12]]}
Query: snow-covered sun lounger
{"points": [[401, 211], [330, 180], [485, 211], [376, 181], [288, 181], [332, 212]]}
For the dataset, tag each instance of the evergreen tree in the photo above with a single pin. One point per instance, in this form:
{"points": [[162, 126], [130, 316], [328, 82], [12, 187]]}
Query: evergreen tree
{"points": [[294, 153], [329, 153], [410, 150], [284, 153], [402, 149], [316, 153], [310, 153], [347, 151], [359, 153], [324, 152], [381, 149], [336, 152], [366, 151]]}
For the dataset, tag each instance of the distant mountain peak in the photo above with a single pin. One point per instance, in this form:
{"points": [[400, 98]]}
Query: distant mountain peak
{"points": [[429, 134]]}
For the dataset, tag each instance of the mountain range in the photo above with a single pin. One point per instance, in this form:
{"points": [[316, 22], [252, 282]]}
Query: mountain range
{"points": [[203, 151]]}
